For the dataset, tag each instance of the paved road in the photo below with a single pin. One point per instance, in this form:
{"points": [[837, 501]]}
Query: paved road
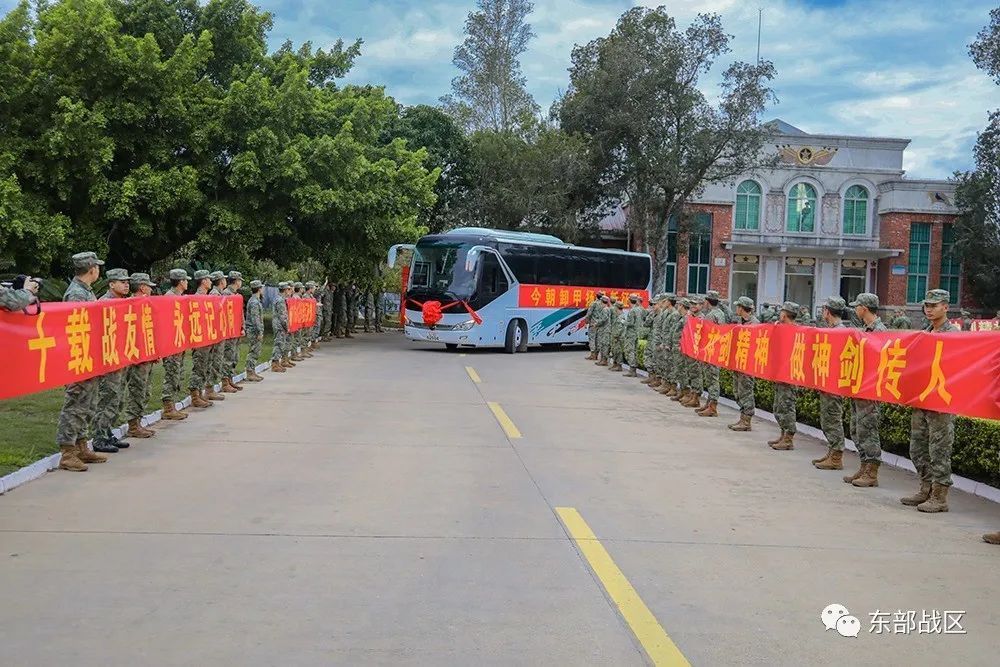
{"points": [[371, 507]]}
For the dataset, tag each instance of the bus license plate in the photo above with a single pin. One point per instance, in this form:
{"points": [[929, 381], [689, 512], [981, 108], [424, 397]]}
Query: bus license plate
{"points": [[432, 336]]}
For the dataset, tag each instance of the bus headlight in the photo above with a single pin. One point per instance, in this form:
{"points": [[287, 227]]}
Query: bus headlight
{"points": [[406, 321], [464, 326]]}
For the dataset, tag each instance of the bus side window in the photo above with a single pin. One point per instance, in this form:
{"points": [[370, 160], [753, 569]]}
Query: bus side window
{"points": [[492, 281]]}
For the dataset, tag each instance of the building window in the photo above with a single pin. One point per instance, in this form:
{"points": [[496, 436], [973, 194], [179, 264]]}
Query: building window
{"points": [[951, 266], [856, 210], [745, 270], [801, 208], [799, 279], [748, 206], [670, 266], [920, 259], [852, 278], [699, 254]]}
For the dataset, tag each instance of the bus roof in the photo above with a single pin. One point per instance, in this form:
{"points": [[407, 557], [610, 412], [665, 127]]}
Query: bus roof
{"points": [[529, 238]]}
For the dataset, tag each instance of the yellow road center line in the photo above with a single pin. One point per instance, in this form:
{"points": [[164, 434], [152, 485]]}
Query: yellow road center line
{"points": [[473, 374], [505, 422], [654, 639]]}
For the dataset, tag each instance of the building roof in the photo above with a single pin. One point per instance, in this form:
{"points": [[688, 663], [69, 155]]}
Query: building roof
{"points": [[614, 221], [781, 127]]}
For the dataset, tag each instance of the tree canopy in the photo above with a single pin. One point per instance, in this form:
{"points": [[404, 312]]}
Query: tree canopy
{"points": [[141, 128]]}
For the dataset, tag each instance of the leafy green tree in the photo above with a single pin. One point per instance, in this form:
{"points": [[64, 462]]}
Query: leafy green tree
{"points": [[656, 138]]}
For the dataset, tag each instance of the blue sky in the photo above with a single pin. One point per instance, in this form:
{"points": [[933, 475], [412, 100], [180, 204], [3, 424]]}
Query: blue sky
{"points": [[896, 68]]}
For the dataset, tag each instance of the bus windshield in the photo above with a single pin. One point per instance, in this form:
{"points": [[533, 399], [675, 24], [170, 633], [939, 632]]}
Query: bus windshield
{"points": [[439, 269]]}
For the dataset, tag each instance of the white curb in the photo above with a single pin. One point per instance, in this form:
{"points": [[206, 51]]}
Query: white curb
{"points": [[892, 460], [35, 470]]}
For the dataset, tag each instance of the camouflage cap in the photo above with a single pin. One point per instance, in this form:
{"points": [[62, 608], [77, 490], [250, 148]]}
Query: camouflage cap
{"points": [[117, 274], [835, 303], [744, 302], [216, 276], [179, 274], [297, 285], [255, 284], [284, 284], [605, 298], [656, 298], [600, 293], [235, 275], [712, 294], [791, 307], [670, 295], [940, 296], [142, 278], [694, 299], [201, 274], [310, 283], [866, 299], [618, 304], [684, 301], [633, 297], [85, 260]]}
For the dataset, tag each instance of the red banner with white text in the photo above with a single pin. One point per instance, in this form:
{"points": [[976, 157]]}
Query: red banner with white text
{"points": [[957, 372], [559, 296], [70, 342], [301, 314]]}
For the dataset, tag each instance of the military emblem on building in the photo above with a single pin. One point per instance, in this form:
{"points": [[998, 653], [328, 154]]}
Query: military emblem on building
{"points": [[806, 155]]}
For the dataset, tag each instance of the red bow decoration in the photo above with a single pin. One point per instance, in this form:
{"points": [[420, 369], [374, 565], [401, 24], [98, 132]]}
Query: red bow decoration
{"points": [[432, 312]]}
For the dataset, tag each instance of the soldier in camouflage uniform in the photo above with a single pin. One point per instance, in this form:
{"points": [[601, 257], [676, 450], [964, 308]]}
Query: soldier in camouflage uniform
{"points": [[865, 413], [784, 394], [831, 406], [18, 299], [711, 372], [201, 357], [932, 434], [217, 361], [634, 320], [112, 385], [651, 357], [299, 351], [602, 325], [352, 311], [173, 365], [694, 368], [339, 310], [617, 333], [231, 346], [805, 318], [743, 384], [253, 324], [678, 371], [767, 314], [78, 405], [900, 320], [328, 299], [724, 305], [317, 296], [137, 376], [591, 331], [666, 358], [279, 323]]}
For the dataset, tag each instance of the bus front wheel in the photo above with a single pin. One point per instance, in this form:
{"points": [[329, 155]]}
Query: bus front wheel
{"points": [[517, 339]]}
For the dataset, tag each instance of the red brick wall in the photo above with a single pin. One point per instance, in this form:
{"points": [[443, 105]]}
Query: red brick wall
{"points": [[894, 232], [722, 232]]}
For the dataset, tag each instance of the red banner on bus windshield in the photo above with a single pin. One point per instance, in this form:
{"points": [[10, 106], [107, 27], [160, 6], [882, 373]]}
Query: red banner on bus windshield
{"points": [[560, 296]]}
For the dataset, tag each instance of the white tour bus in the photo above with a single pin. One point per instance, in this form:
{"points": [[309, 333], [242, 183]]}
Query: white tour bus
{"points": [[511, 289]]}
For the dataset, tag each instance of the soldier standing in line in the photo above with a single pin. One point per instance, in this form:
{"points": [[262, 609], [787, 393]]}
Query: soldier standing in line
{"points": [[253, 324], [932, 434], [784, 394], [695, 368], [805, 318], [174, 364], [767, 315], [109, 393], [743, 384], [966, 320], [591, 330], [678, 363], [652, 356], [634, 321], [900, 320], [712, 373], [724, 305], [299, 351], [352, 311], [201, 357], [137, 376], [865, 413], [328, 299], [669, 320], [317, 295], [217, 361], [78, 405], [617, 336], [279, 323], [288, 295], [340, 310], [831, 406], [231, 346], [602, 325]]}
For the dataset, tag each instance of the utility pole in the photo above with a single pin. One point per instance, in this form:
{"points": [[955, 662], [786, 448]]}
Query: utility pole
{"points": [[760, 19]]}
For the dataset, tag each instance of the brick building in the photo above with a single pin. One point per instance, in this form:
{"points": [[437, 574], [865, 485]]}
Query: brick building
{"points": [[836, 216]]}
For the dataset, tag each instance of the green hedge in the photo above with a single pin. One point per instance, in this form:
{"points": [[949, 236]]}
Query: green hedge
{"points": [[976, 453]]}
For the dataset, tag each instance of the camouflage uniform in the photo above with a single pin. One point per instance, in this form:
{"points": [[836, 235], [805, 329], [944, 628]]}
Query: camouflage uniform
{"points": [[744, 384], [254, 327], [328, 299], [201, 357], [634, 320], [279, 323], [932, 434], [831, 406], [673, 328], [12, 300], [81, 397], [173, 365], [231, 346], [900, 321], [602, 325], [784, 394], [651, 357], [591, 331], [318, 326], [296, 338], [617, 332], [694, 368], [710, 371], [137, 375], [340, 311], [217, 361], [865, 416], [110, 392]]}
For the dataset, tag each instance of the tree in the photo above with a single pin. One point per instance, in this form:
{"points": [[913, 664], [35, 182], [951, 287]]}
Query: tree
{"points": [[657, 140], [978, 193], [490, 93]]}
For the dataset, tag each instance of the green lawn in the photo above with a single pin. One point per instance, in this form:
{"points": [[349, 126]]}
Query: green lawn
{"points": [[28, 424]]}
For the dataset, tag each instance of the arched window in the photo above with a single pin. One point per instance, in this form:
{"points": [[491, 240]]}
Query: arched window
{"points": [[801, 216], [856, 210], [748, 206]]}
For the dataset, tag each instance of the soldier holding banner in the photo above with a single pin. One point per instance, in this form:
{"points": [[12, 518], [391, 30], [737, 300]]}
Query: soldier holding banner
{"points": [[744, 384], [865, 413], [254, 327], [112, 385], [831, 406], [784, 394], [173, 365], [231, 346], [201, 357], [137, 375]]}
